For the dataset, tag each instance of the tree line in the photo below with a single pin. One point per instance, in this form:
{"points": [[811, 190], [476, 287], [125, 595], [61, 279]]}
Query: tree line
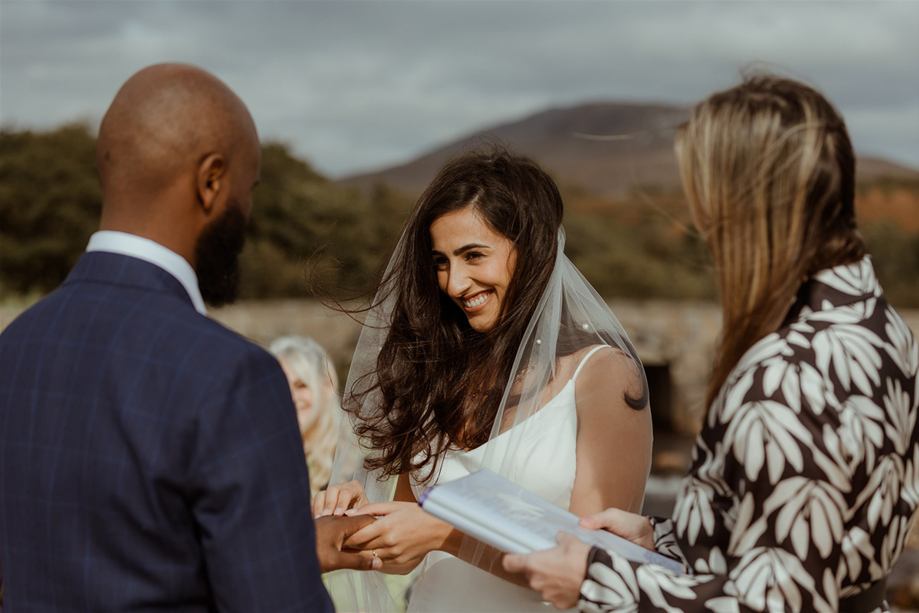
{"points": [[309, 235]]}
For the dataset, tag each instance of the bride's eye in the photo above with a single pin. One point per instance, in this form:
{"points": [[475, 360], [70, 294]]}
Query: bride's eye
{"points": [[440, 263], [473, 255]]}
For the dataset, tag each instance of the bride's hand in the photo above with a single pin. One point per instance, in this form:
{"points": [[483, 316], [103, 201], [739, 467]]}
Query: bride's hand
{"points": [[403, 533], [631, 527], [338, 498]]}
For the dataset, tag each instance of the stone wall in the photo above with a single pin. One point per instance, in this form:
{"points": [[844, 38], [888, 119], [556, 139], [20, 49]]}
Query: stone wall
{"points": [[676, 338]]}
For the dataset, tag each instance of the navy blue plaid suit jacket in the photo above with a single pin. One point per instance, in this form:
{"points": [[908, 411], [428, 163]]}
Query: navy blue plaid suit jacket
{"points": [[149, 458]]}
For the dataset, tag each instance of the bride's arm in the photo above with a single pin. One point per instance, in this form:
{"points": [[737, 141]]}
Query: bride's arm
{"points": [[613, 450], [465, 547], [614, 439], [613, 460], [405, 533]]}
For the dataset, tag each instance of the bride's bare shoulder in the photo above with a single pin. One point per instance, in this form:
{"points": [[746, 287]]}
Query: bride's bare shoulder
{"points": [[607, 366], [599, 352], [597, 356]]}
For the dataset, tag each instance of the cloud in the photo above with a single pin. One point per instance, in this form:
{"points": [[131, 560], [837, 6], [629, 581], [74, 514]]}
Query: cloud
{"points": [[355, 85]]}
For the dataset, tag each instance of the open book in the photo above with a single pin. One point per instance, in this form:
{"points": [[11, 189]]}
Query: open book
{"points": [[506, 516]]}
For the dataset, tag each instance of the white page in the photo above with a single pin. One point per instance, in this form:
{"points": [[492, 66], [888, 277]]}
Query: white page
{"points": [[504, 515]]}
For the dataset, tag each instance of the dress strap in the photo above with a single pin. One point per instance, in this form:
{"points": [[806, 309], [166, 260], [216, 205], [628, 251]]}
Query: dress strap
{"points": [[585, 358]]}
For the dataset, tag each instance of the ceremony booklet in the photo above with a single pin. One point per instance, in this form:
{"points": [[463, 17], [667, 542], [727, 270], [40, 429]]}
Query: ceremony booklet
{"points": [[506, 516]]}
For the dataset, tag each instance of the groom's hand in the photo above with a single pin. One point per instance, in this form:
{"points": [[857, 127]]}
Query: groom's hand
{"points": [[331, 533]]}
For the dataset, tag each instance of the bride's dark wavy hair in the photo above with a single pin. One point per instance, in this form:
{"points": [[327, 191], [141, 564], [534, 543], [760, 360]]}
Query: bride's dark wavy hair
{"points": [[440, 382]]}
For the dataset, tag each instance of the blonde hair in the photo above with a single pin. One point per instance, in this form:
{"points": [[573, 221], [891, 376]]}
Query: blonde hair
{"points": [[311, 364], [769, 173]]}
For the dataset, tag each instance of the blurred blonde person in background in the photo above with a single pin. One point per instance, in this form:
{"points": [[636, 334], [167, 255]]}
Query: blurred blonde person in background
{"points": [[314, 387]]}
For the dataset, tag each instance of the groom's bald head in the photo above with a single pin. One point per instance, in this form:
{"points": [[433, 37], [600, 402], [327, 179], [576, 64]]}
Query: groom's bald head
{"points": [[164, 120], [178, 155]]}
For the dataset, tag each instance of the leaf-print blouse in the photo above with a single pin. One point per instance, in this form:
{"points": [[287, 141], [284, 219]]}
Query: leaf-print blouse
{"points": [[804, 482]]}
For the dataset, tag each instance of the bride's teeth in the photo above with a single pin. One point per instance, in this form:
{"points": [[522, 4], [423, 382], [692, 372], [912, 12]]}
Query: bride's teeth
{"points": [[470, 304]]}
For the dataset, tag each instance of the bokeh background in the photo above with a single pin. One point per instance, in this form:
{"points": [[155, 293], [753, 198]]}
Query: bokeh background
{"points": [[359, 103]]}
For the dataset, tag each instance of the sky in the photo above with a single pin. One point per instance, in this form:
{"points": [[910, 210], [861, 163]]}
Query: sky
{"points": [[354, 86]]}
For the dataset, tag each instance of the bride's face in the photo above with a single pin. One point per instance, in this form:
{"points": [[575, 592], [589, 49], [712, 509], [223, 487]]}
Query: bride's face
{"points": [[474, 265]]}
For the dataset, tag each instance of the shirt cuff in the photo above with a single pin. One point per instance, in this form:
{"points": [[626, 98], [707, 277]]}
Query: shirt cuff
{"points": [[665, 542]]}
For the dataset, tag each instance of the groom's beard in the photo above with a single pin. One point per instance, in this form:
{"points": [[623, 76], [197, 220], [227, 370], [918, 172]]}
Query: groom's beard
{"points": [[217, 256]]}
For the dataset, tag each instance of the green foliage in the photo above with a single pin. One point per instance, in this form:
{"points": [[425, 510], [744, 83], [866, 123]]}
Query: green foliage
{"points": [[307, 233], [50, 200], [895, 255], [888, 184], [652, 257]]}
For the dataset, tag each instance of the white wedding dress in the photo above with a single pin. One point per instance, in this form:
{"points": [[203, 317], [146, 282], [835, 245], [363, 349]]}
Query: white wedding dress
{"points": [[447, 583]]}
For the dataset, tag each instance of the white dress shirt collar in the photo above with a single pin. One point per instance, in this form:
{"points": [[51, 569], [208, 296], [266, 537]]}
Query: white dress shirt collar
{"points": [[150, 251]]}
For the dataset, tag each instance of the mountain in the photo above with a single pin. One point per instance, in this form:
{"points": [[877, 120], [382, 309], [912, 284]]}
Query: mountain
{"points": [[605, 148]]}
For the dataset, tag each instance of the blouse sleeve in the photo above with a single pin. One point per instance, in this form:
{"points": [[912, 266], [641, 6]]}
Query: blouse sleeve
{"points": [[665, 541], [788, 512]]}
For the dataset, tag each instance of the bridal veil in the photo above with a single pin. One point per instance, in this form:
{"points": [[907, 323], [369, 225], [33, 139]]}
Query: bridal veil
{"points": [[569, 321]]}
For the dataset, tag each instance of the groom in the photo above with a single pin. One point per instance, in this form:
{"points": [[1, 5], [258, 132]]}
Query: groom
{"points": [[149, 457]]}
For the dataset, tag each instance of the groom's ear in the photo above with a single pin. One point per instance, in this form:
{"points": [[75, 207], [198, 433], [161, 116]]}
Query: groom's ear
{"points": [[210, 180]]}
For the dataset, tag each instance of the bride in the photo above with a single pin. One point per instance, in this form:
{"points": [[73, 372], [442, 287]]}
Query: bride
{"points": [[484, 348]]}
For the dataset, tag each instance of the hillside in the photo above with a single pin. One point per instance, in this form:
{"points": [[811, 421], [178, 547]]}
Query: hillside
{"points": [[607, 149], [310, 236]]}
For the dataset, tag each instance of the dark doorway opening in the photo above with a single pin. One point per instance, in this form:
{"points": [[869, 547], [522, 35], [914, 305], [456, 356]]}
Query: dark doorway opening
{"points": [[660, 387], [671, 453]]}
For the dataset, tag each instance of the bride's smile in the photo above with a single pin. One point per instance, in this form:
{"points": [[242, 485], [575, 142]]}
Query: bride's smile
{"points": [[476, 302], [474, 265]]}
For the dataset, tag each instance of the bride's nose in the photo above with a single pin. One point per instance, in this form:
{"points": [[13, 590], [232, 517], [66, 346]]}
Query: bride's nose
{"points": [[458, 281]]}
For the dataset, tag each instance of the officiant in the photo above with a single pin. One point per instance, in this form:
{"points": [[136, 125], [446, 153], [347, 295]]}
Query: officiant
{"points": [[804, 484]]}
